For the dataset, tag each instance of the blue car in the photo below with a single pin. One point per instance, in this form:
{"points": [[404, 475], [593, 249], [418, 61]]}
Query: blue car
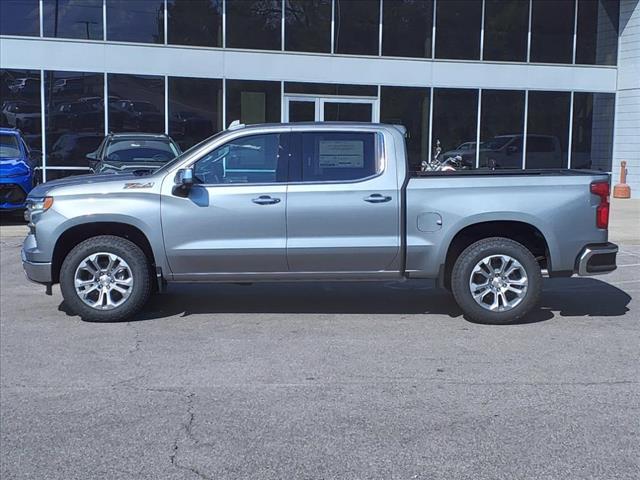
{"points": [[17, 172]]}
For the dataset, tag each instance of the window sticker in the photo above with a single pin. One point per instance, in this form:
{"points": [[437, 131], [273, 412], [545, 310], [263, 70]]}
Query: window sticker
{"points": [[341, 154]]}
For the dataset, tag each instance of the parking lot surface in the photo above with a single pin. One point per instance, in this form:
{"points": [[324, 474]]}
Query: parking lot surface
{"points": [[321, 381]]}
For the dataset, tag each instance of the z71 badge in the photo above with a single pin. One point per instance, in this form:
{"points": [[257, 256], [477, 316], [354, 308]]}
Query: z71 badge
{"points": [[136, 185]]}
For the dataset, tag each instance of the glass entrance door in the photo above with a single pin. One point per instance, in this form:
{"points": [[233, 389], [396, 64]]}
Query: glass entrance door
{"points": [[299, 108]]}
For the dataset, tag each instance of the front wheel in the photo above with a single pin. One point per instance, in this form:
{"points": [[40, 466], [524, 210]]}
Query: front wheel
{"points": [[496, 281], [105, 279]]}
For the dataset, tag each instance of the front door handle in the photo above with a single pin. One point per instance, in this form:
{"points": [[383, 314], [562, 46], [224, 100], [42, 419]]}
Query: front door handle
{"points": [[377, 198], [265, 200]]}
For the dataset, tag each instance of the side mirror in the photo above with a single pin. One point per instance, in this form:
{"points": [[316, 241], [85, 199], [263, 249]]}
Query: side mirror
{"points": [[183, 182]]}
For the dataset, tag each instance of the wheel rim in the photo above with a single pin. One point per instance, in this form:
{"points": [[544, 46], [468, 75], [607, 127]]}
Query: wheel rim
{"points": [[498, 283], [103, 281]]}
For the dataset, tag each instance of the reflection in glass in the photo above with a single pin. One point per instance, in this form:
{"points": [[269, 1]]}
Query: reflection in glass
{"points": [[331, 89], [348, 112], [20, 104], [592, 137], [547, 129], [455, 115], [501, 129], [136, 103], [253, 101], [135, 21], [505, 30], [307, 26], [74, 115], [597, 34], [458, 24], [254, 24], [408, 106], [357, 26], [195, 109], [194, 22], [20, 17], [301, 111], [552, 31], [72, 19], [407, 19]]}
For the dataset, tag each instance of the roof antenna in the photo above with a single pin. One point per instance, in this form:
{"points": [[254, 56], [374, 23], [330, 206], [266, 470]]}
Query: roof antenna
{"points": [[235, 125]]}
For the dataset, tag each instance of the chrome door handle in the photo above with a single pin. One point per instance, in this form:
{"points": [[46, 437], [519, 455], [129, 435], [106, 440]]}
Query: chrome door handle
{"points": [[377, 198], [265, 200]]}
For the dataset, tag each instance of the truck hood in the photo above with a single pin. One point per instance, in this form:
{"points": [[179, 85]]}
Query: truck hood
{"points": [[44, 189], [13, 167]]}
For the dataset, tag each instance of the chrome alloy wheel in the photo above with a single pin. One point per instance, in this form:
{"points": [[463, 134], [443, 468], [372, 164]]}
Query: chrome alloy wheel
{"points": [[498, 283], [103, 281]]}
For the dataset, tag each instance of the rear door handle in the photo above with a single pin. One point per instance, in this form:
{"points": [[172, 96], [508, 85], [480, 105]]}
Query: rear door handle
{"points": [[377, 198], [265, 200]]}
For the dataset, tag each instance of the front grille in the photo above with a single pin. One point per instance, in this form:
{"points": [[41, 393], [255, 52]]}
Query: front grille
{"points": [[12, 193]]}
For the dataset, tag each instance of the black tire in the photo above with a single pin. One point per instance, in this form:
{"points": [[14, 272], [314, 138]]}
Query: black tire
{"points": [[140, 271], [471, 256]]}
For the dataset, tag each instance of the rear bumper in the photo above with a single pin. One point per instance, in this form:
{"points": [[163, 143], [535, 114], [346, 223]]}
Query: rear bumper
{"points": [[36, 271], [597, 259]]}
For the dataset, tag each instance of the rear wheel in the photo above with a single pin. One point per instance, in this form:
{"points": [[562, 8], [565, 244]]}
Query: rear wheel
{"points": [[496, 281], [105, 279]]}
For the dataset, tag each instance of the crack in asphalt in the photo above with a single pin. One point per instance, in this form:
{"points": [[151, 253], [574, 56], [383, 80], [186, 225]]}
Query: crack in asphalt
{"points": [[138, 341]]}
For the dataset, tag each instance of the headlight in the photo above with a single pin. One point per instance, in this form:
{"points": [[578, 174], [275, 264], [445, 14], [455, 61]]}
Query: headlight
{"points": [[35, 207]]}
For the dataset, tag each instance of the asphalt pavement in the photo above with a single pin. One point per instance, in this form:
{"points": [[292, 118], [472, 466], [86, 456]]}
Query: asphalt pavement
{"points": [[321, 381]]}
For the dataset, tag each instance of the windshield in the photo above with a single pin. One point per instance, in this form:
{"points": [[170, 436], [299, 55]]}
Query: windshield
{"points": [[141, 150], [9, 146], [188, 152], [496, 143]]}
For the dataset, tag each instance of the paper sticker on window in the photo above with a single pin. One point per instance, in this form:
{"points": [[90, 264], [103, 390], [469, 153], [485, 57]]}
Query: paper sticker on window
{"points": [[341, 153]]}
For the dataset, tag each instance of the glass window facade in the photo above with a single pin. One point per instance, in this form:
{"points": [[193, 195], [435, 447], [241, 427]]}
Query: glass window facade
{"points": [[135, 21], [548, 129], [592, 132], [254, 24], [455, 116], [409, 106], [458, 25], [20, 17], [74, 116], [331, 89], [407, 19], [501, 129], [20, 104], [81, 19], [505, 30], [552, 31], [357, 26], [597, 33], [195, 109], [194, 22], [308, 26], [136, 103], [253, 101]]}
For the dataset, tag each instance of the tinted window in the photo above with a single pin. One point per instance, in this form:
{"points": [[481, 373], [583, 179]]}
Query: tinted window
{"points": [[20, 104], [254, 24], [331, 89], [253, 102], [409, 107], [74, 115], [73, 19], [308, 25], [357, 26], [505, 30], [194, 22], [455, 114], [403, 20], [195, 109], [458, 25], [548, 129], [501, 129], [597, 35], [136, 103], [252, 159], [140, 149], [348, 112], [592, 137], [19, 17], [328, 156], [552, 31], [135, 21]]}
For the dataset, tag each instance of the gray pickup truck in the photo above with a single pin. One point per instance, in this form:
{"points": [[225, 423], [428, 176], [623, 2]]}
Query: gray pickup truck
{"points": [[315, 202]]}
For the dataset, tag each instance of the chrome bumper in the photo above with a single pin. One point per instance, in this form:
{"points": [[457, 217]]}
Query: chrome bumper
{"points": [[597, 259], [36, 272]]}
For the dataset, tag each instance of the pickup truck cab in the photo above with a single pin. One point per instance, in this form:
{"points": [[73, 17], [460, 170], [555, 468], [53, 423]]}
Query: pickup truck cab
{"points": [[309, 202]]}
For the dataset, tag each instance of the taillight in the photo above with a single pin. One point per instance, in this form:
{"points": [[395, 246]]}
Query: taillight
{"points": [[602, 211]]}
